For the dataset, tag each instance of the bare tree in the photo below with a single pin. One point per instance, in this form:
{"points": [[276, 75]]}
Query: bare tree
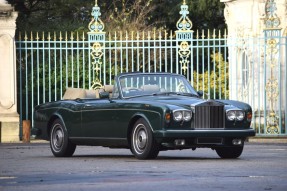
{"points": [[129, 15]]}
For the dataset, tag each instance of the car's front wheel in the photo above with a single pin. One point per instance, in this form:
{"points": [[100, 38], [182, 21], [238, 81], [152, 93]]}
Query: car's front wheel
{"points": [[59, 142], [229, 152], [143, 144]]}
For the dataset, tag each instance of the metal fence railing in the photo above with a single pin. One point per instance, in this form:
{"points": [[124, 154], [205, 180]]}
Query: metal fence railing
{"points": [[48, 63], [222, 67]]}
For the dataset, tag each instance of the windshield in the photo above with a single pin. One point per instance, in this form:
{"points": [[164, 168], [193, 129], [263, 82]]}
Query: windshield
{"points": [[133, 85]]}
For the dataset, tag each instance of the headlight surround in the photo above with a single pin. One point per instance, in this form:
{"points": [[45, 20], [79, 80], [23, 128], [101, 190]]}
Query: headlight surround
{"points": [[239, 115], [231, 115], [177, 115], [182, 115], [235, 115], [187, 115]]}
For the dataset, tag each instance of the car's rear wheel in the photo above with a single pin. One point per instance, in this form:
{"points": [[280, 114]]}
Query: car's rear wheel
{"points": [[229, 152], [59, 141], [143, 145]]}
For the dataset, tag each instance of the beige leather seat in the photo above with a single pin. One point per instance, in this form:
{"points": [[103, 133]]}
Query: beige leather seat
{"points": [[80, 93], [109, 88], [74, 93], [150, 88]]}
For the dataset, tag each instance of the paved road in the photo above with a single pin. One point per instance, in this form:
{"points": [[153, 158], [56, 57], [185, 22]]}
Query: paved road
{"points": [[32, 167]]}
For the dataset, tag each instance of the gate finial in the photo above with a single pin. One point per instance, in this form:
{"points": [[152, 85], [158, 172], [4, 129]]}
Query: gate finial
{"points": [[96, 24], [184, 23], [271, 19]]}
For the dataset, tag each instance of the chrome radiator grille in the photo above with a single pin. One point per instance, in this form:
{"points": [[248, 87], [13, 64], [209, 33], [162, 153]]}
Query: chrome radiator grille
{"points": [[209, 116]]}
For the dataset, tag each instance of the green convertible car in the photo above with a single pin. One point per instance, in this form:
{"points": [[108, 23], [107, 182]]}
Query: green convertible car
{"points": [[146, 113]]}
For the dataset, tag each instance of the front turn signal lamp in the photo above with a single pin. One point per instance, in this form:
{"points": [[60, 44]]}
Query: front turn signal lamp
{"points": [[167, 117], [249, 116]]}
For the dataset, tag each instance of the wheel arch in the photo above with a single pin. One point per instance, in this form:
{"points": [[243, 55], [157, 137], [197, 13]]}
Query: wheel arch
{"points": [[51, 121], [133, 120]]}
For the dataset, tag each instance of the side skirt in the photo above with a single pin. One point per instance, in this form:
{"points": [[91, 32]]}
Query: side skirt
{"points": [[100, 141]]}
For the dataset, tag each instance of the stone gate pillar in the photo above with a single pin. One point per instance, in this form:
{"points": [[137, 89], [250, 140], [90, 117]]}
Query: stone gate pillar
{"points": [[9, 118], [257, 49]]}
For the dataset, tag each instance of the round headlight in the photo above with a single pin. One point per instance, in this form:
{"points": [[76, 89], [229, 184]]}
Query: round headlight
{"points": [[239, 115], [187, 115], [231, 115], [177, 115]]}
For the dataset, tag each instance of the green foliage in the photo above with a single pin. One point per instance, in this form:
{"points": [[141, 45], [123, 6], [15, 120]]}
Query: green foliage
{"points": [[48, 77], [218, 78]]}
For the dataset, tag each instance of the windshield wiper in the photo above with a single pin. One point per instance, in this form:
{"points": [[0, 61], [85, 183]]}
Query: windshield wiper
{"points": [[176, 93], [188, 94], [164, 93]]}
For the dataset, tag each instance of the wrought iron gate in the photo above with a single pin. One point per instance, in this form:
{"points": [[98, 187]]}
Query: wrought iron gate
{"points": [[248, 69]]}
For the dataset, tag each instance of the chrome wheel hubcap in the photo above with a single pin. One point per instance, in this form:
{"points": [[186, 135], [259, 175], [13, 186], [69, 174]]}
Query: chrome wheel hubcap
{"points": [[140, 138], [57, 138]]}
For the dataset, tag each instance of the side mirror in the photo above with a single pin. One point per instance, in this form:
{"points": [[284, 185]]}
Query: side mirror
{"points": [[104, 95], [200, 93]]}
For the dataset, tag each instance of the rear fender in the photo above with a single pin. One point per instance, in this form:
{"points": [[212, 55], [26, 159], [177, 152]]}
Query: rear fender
{"points": [[50, 123]]}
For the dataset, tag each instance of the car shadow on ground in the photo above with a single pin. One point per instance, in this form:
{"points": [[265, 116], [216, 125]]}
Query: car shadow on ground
{"points": [[131, 158]]}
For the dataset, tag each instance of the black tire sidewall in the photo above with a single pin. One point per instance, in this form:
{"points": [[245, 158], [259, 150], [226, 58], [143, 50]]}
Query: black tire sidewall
{"points": [[230, 152], [151, 149], [64, 150]]}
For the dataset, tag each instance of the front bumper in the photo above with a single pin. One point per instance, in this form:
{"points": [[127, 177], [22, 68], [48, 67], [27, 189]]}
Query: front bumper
{"points": [[224, 133], [211, 138], [35, 131], [38, 134]]}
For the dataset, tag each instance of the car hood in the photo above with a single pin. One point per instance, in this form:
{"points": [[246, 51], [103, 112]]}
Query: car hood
{"points": [[176, 100]]}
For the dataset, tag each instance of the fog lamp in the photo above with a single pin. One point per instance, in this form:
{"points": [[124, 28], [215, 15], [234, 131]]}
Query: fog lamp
{"points": [[237, 142], [179, 142]]}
